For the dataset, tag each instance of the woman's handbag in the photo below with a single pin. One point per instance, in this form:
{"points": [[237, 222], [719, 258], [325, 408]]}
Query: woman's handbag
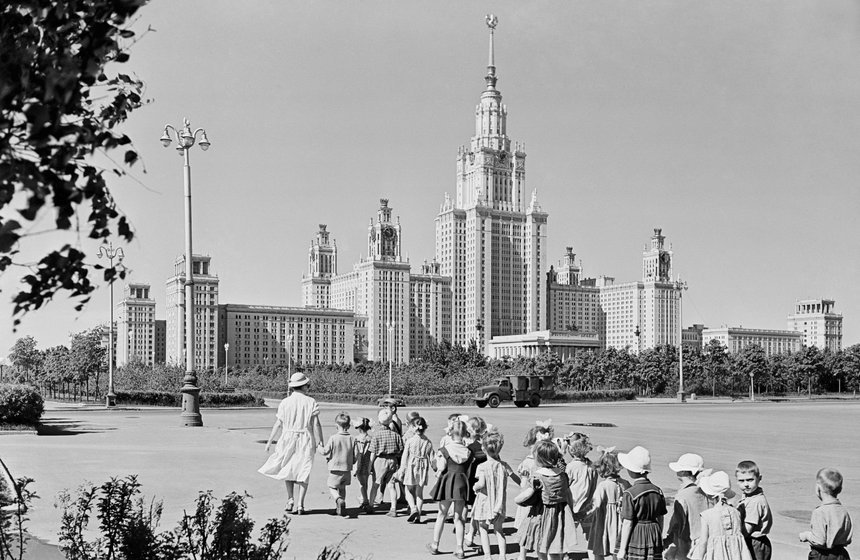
{"points": [[530, 496]]}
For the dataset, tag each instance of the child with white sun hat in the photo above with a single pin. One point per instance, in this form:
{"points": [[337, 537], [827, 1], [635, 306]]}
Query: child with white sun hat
{"points": [[720, 537], [642, 509]]}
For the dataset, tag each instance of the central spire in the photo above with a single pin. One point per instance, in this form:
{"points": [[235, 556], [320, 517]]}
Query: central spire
{"points": [[492, 22]]}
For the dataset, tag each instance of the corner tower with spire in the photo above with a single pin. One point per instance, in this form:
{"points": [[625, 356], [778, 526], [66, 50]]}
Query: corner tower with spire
{"points": [[491, 238]]}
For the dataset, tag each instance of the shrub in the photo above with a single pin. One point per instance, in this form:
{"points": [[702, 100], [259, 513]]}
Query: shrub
{"points": [[174, 398], [128, 528], [20, 404]]}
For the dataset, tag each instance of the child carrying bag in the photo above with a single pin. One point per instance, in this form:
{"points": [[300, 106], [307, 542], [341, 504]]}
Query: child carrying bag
{"points": [[530, 496]]}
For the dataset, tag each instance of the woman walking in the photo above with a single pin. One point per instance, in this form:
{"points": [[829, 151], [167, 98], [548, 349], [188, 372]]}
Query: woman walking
{"points": [[298, 420]]}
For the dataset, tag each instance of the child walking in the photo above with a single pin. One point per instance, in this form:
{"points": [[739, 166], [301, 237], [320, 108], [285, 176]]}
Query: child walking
{"points": [[830, 528], [416, 463], [583, 481], [721, 537], [642, 509], [491, 493], [605, 512], [452, 486], [685, 523], [362, 459], [339, 451], [756, 517], [477, 427], [550, 530], [542, 430]]}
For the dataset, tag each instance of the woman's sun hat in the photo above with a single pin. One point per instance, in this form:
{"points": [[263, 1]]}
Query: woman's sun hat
{"points": [[637, 460], [298, 379], [688, 462], [716, 484]]}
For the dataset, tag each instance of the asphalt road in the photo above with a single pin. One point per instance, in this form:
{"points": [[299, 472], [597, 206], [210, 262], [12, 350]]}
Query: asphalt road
{"points": [[789, 440]]}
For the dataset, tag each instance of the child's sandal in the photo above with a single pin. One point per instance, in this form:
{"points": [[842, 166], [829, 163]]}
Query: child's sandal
{"points": [[432, 548]]}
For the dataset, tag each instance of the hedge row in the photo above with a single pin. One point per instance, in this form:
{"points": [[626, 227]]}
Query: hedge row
{"points": [[165, 398], [20, 404], [457, 399], [596, 395]]}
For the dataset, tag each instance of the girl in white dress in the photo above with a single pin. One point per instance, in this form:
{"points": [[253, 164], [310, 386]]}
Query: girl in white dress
{"points": [[416, 463], [491, 493], [298, 420]]}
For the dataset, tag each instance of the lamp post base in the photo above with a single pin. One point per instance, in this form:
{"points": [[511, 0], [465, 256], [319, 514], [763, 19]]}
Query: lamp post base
{"points": [[682, 396], [191, 407], [110, 400]]}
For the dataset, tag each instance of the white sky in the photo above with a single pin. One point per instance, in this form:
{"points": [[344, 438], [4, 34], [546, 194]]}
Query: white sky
{"points": [[733, 125]]}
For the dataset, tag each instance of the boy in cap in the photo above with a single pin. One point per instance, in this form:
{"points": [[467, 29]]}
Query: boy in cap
{"points": [[386, 447], [690, 502]]}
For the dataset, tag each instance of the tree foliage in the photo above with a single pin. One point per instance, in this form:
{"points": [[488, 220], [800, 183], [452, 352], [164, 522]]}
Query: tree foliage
{"points": [[58, 109]]}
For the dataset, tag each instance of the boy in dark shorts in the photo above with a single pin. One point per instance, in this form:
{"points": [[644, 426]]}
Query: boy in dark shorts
{"points": [[754, 509]]}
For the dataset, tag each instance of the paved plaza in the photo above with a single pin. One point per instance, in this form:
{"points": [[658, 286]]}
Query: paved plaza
{"points": [[789, 440]]}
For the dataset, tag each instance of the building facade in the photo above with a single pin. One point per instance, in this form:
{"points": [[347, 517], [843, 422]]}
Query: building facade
{"points": [[691, 337], [572, 305], [322, 267], [160, 341], [205, 313], [735, 339], [820, 324], [260, 335], [137, 338], [429, 308], [565, 344], [491, 239]]}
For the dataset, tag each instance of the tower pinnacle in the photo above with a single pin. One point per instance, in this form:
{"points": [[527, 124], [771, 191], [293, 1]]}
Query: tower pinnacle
{"points": [[492, 22]]}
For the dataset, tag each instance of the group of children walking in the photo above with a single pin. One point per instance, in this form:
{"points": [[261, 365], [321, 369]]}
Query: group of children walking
{"points": [[567, 504]]}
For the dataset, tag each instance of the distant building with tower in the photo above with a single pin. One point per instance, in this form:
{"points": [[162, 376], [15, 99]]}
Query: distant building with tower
{"points": [[136, 331], [322, 267], [820, 324], [205, 313], [491, 237]]}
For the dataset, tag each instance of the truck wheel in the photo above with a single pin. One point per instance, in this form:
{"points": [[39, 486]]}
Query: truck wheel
{"points": [[534, 401], [494, 401], [481, 404], [520, 404]]}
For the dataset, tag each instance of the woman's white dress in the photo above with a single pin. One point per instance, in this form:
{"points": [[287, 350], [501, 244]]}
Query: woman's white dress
{"points": [[294, 452]]}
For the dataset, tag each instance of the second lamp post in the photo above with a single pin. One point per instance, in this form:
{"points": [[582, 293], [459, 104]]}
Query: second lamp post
{"points": [[185, 139]]}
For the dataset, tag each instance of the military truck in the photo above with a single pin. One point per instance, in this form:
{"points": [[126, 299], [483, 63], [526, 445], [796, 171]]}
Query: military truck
{"points": [[522, 389]]}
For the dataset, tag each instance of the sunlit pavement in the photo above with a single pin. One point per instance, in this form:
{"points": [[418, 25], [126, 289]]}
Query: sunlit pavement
{"points": [[789, 440]]}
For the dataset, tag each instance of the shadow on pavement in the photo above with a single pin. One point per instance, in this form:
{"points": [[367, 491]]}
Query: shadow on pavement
{"points": [[60, 427]]}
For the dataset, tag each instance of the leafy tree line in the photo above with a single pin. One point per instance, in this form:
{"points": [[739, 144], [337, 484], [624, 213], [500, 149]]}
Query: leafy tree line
{"points": [[448, 369]]}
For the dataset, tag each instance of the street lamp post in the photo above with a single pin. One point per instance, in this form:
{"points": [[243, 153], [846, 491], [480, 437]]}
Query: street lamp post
{"points": [[390, 355], [108, 252], [185, 140], [226, 360], [289, 355], [680, 286]]}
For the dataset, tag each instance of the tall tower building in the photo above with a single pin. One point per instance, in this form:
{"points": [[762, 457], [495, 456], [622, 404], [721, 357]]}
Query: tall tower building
{"points": [[818, 321], [136, 326], [647, 313], [205, 313], [378, 289], [322, 267], [491, 239]]}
